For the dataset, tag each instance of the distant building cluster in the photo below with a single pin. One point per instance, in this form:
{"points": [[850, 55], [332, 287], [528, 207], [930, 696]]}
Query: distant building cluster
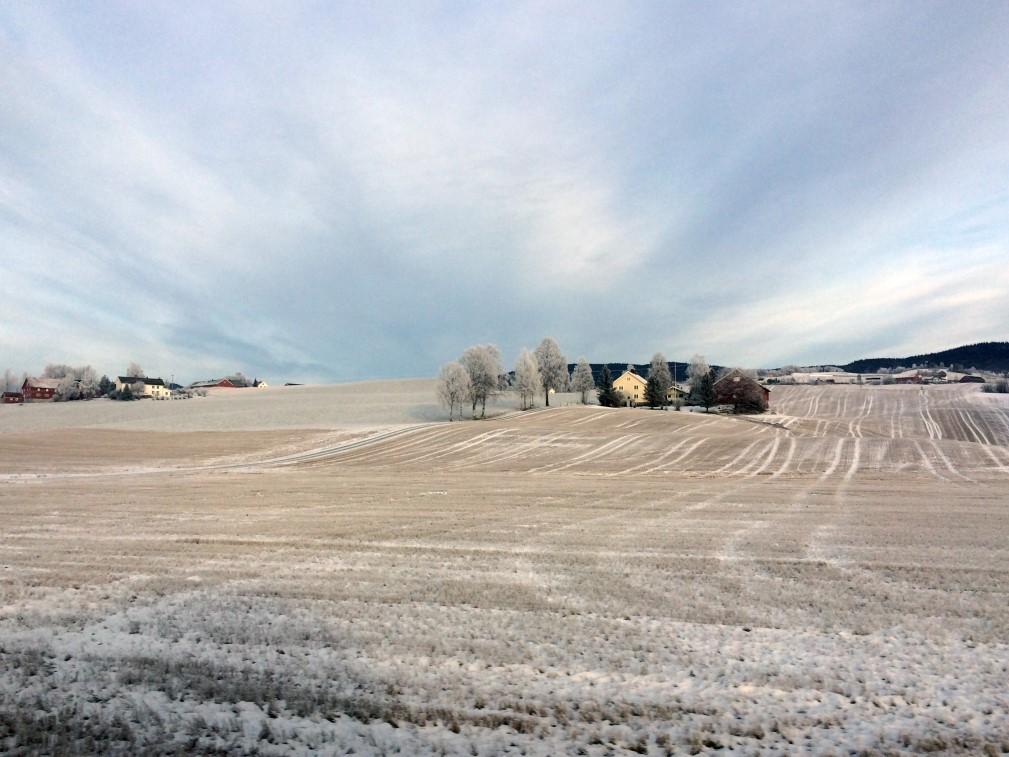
{"points": [[632, 385], [912, 376], [43, 389]]}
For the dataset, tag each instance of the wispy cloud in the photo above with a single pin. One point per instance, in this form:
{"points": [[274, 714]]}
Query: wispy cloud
{"points": [[320, 193]]}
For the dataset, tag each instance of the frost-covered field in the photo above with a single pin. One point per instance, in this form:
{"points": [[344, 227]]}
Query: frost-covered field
{"points": [[367, 403], [825, 579]]}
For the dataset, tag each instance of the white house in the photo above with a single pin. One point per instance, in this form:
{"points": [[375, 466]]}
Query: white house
{"points": [[153, 387]]}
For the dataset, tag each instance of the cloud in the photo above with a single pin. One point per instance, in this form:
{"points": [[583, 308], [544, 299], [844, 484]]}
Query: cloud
{"points": [[323, 193]]}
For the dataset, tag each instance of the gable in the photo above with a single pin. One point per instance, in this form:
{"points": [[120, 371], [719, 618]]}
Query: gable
{"points": [[630, 378]]}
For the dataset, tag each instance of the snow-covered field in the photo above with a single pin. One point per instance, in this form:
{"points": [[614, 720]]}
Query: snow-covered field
{"points": [[828, 578], [367, 403]]}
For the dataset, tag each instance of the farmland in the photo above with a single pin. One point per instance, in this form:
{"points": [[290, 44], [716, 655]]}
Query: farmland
{"points": [[270, 578]]}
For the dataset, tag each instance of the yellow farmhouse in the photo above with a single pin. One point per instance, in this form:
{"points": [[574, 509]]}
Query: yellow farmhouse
{"points": [[632, 387]]}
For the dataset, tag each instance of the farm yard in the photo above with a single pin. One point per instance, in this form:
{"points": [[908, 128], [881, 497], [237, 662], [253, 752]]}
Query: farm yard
{"points": [[828, 577]]}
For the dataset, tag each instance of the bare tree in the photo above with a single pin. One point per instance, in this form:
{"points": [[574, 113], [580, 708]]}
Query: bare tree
{"points": [[483, 364], [581, 379], [696, 371], [88, 382], [135, 371], [74, 383], [453, 387], [748, 372], [553, 367], [68, 389], [659, 370], [527, 378], [57, 371], [10, 381]]}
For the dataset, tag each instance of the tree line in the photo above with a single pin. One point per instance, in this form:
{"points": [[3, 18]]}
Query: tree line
{"points": [[478, 376]]}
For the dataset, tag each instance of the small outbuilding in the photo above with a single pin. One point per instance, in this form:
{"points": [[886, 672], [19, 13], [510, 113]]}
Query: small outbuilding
{"points": [[12, 398]]}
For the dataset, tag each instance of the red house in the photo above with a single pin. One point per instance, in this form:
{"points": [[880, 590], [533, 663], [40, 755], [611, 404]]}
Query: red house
{"points": [[39, 389], [13, 398], [744, 393]]}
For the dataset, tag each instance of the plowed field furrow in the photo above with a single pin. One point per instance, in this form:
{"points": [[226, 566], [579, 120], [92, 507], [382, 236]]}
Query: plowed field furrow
{"points": [[830, 577]]}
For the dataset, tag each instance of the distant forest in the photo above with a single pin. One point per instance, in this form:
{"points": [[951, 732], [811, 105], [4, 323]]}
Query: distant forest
{"points": [[985, 356]]}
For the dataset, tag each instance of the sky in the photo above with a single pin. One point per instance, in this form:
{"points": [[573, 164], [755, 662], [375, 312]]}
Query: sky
{"points": [[342, 191]]}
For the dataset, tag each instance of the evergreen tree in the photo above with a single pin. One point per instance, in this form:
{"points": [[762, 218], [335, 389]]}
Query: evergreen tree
{"points": [[653, 393], [607, 396], [659, 370], [706, 391]]}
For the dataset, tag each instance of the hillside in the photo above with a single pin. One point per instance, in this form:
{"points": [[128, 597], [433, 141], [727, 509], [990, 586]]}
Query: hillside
{"points": [[985, 356], [360, 404]]}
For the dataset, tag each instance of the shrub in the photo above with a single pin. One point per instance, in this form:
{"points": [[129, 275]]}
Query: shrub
{"points": [[997, 387]]}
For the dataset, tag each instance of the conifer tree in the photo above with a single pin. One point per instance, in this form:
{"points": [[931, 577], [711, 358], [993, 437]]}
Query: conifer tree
{"points": [[706, 391], [607, 396], [654, 395]]}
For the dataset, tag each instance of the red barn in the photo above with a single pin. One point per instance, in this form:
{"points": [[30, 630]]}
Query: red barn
{"points": [[39, 389], [13, 398]]}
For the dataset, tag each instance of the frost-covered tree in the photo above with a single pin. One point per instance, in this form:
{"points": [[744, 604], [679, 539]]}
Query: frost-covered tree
{"points": [[57, 371], [133, 370], [79, 383], [67, 390], [453, 387], [553, 367], [88, 382], [483, 364], [581, 379], [10, 381], [697, 370], [659, 370], [527, 378]]}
